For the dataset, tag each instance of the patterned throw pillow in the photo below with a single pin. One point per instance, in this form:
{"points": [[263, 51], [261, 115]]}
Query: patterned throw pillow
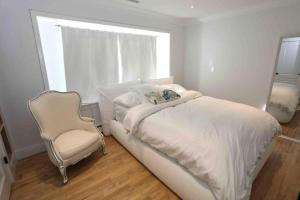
{"points": [[170, 95], [162, 97], [155, 97]]}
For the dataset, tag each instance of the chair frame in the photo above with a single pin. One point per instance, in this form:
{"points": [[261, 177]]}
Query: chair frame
{"points": [[59, 162]]}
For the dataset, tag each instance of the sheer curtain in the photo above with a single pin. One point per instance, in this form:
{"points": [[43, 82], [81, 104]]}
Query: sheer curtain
{"points": [[94, 58], [90, 59], [138, 56]]}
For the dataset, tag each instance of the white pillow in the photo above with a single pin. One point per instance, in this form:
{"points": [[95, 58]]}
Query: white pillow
{"points": [[106, 96], [120, 112], [175, 87], [116, 90], [143, 89], [129, 99], [146, 88]]}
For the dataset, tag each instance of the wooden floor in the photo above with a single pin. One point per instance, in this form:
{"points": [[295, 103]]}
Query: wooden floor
{"points": [[118, 175], [292, 129], [280, 177]]}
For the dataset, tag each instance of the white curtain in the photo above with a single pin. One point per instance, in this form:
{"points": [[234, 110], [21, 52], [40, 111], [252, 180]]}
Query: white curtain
{"points": [[94, 58], [91, 59], [138, 56]]}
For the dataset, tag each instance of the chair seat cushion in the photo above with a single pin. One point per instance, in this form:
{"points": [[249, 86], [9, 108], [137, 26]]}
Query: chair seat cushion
{"points": [[72, 142]]}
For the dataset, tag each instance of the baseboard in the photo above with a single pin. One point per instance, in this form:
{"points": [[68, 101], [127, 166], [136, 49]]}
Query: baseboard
{"points": [[290, 139], [12, 167], [5, 188], [29, 151]]}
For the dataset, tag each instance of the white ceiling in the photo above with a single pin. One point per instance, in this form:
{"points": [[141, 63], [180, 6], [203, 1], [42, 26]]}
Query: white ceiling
{"points": [[202, 8]]}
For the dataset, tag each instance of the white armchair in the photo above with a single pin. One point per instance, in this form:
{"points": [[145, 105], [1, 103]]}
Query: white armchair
{"points": [[68, 136]]}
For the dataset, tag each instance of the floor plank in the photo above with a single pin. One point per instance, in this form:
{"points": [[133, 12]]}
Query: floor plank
{"points": [[118, 175], [280, 176]]}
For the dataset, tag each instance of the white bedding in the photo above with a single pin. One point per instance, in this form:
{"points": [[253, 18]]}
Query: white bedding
{"points": [[120, 112], [218, 141], [284, 96]]}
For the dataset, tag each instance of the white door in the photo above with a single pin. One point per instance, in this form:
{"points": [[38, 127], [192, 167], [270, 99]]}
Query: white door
{"points": [[288, 58], [5, 179]]}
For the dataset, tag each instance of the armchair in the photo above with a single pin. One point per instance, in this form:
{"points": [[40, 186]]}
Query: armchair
{"points": [[68, 137]]}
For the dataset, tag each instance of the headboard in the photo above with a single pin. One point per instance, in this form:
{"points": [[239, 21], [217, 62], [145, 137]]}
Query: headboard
{"points": [[108, 93], [160, 81]]}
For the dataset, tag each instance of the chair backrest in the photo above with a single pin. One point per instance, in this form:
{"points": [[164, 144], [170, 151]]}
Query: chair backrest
{"points": [[56, 112]]}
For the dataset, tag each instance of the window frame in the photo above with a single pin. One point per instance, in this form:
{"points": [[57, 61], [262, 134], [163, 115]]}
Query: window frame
{"points": [[34, 14]]}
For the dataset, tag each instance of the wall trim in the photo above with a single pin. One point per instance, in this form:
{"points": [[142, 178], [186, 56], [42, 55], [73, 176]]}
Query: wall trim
{"points": [[5, 189], [12, 166], [29, 151]]}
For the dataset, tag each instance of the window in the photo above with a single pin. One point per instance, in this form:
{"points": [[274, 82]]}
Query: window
{"points": [[81, 55]]}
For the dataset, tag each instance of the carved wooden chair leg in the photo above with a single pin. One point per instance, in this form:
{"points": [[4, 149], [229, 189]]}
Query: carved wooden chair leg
{"points": [[62, 170], [104, 147]]}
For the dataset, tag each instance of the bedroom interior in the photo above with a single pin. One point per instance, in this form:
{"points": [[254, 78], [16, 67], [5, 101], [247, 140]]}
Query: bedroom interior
{"points": [[150, 99]]}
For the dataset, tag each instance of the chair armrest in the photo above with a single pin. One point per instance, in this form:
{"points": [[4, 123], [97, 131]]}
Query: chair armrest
{"points": [[44, 136], [88, 119], [54, 157], [87, 124]]}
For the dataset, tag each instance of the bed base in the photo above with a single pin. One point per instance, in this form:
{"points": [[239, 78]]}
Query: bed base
{"points": [[280, 115], [167, 170]]}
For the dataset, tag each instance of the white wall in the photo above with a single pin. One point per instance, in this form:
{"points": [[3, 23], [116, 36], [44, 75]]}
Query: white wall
{"points": [[20, 73], [242, 49]]}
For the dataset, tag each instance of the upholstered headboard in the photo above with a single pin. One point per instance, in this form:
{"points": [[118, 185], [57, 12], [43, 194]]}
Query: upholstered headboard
{"points": [[160, 81], [108, 93]]}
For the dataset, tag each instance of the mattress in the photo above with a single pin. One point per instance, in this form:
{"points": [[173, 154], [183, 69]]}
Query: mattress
{"points": [[281, 115], [167, 170]]}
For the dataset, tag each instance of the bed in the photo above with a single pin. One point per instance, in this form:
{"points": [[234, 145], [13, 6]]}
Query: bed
{"points": [[179, 176], [283, 101]]}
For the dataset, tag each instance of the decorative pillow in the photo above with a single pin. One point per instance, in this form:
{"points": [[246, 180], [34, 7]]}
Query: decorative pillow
{"points": [[175, 87], [162, 97], [155, 97], [143, 89], [170, 95], [129, 99]]}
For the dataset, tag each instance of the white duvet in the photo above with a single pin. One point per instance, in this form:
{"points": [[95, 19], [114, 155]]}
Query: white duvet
{"points": [[285, 96], [217, 141]]}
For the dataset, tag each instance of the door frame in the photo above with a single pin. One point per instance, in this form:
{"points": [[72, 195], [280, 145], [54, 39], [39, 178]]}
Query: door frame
{"points": [[6, 181]]}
